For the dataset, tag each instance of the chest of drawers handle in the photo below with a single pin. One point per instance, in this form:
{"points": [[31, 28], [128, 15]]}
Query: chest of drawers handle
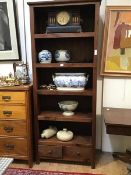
{"points": [[78, 153], [7, 113], [8, 129], [6, 98], [50, 152], [9, 146]]}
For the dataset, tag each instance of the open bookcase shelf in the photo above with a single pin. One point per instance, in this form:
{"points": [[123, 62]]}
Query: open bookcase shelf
{"points": [[83, 49], [56, 116], [65, 35]]}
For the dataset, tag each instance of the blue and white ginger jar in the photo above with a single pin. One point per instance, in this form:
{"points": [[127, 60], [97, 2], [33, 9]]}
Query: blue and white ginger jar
{"points": [[45, 56], [62, 55]]}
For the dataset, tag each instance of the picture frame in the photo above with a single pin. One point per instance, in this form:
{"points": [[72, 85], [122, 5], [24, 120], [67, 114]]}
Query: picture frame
{"points": [[116, 51], [9, 48], [20, 70]]}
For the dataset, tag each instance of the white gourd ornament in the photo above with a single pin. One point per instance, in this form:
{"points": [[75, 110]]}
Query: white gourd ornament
{"points": [[64, 135], [49, 132]]}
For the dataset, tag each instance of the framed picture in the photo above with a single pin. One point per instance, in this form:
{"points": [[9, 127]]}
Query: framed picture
{"points": [[116, 52], [8, 36], [21, 72]]}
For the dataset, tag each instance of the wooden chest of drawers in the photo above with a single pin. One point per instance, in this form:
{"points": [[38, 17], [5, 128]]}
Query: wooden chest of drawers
{"points": [[16, 123]]}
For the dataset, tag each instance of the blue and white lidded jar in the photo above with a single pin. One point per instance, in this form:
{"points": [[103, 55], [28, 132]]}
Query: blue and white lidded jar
{"points": [[45, 56], [62, 55]]}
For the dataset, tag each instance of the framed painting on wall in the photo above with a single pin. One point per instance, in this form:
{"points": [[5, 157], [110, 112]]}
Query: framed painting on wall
{"points": [[116, 52], [8, 33]]}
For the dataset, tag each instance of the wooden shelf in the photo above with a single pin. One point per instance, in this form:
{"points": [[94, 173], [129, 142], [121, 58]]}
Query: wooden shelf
{"points": [[65, 65], [57, 116], [77, 140], [60, 2], [88, 92], [64, 35]]}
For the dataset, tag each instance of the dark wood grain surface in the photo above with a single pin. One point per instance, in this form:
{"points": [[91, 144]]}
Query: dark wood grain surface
{"points": [[83, 49], [117, 116], [117, 120]]}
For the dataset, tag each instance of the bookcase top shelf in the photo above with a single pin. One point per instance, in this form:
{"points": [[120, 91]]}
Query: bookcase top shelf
{"points": [[63, 2]]}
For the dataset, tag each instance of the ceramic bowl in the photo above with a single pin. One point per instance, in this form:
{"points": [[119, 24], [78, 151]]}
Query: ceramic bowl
{"points": [[62, 55], [70, 81], [45, 56], [68, 107]]}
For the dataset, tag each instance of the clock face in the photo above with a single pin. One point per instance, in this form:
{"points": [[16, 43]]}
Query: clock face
{"points": [[63, 18]]}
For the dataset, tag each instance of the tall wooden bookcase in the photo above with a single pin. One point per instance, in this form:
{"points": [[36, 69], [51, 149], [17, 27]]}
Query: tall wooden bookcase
{"points": [[83, 48]]}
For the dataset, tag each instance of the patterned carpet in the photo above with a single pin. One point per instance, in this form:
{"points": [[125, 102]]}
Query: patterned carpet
{"points": [[19, 171]]}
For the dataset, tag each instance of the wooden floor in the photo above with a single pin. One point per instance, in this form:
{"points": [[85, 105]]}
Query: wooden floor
{"points": [[105, 164]]}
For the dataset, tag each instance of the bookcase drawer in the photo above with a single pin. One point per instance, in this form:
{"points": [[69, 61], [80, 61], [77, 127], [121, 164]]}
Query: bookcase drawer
{"points": [[77, 153], [50, 151]]}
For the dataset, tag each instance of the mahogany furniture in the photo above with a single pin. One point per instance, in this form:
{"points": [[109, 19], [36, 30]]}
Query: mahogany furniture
{"points": [[83, 48], [118, 122], [16, 123]]}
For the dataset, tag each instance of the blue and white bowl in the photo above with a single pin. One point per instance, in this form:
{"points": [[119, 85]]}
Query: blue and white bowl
{"points": [[45, 56], [70, 81], [62, 55]]}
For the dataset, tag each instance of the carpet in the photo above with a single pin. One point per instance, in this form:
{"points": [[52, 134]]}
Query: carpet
{"points": [[20, 171]]}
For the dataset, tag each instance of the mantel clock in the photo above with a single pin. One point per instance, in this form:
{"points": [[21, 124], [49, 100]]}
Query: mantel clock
{"points": [[63, 21]]}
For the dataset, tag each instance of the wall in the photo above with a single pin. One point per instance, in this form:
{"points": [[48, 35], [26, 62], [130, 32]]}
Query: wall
{"points": [[115, 91]]}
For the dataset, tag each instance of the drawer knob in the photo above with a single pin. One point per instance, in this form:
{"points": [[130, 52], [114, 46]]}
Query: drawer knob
{"points": [[7, 113], [78, 153], [9, 146], [50, 152], [6, 98], [8, 129]]}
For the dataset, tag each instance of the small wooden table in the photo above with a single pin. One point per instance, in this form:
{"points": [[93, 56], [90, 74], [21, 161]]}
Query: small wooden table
{"points": [[118, 122]]}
